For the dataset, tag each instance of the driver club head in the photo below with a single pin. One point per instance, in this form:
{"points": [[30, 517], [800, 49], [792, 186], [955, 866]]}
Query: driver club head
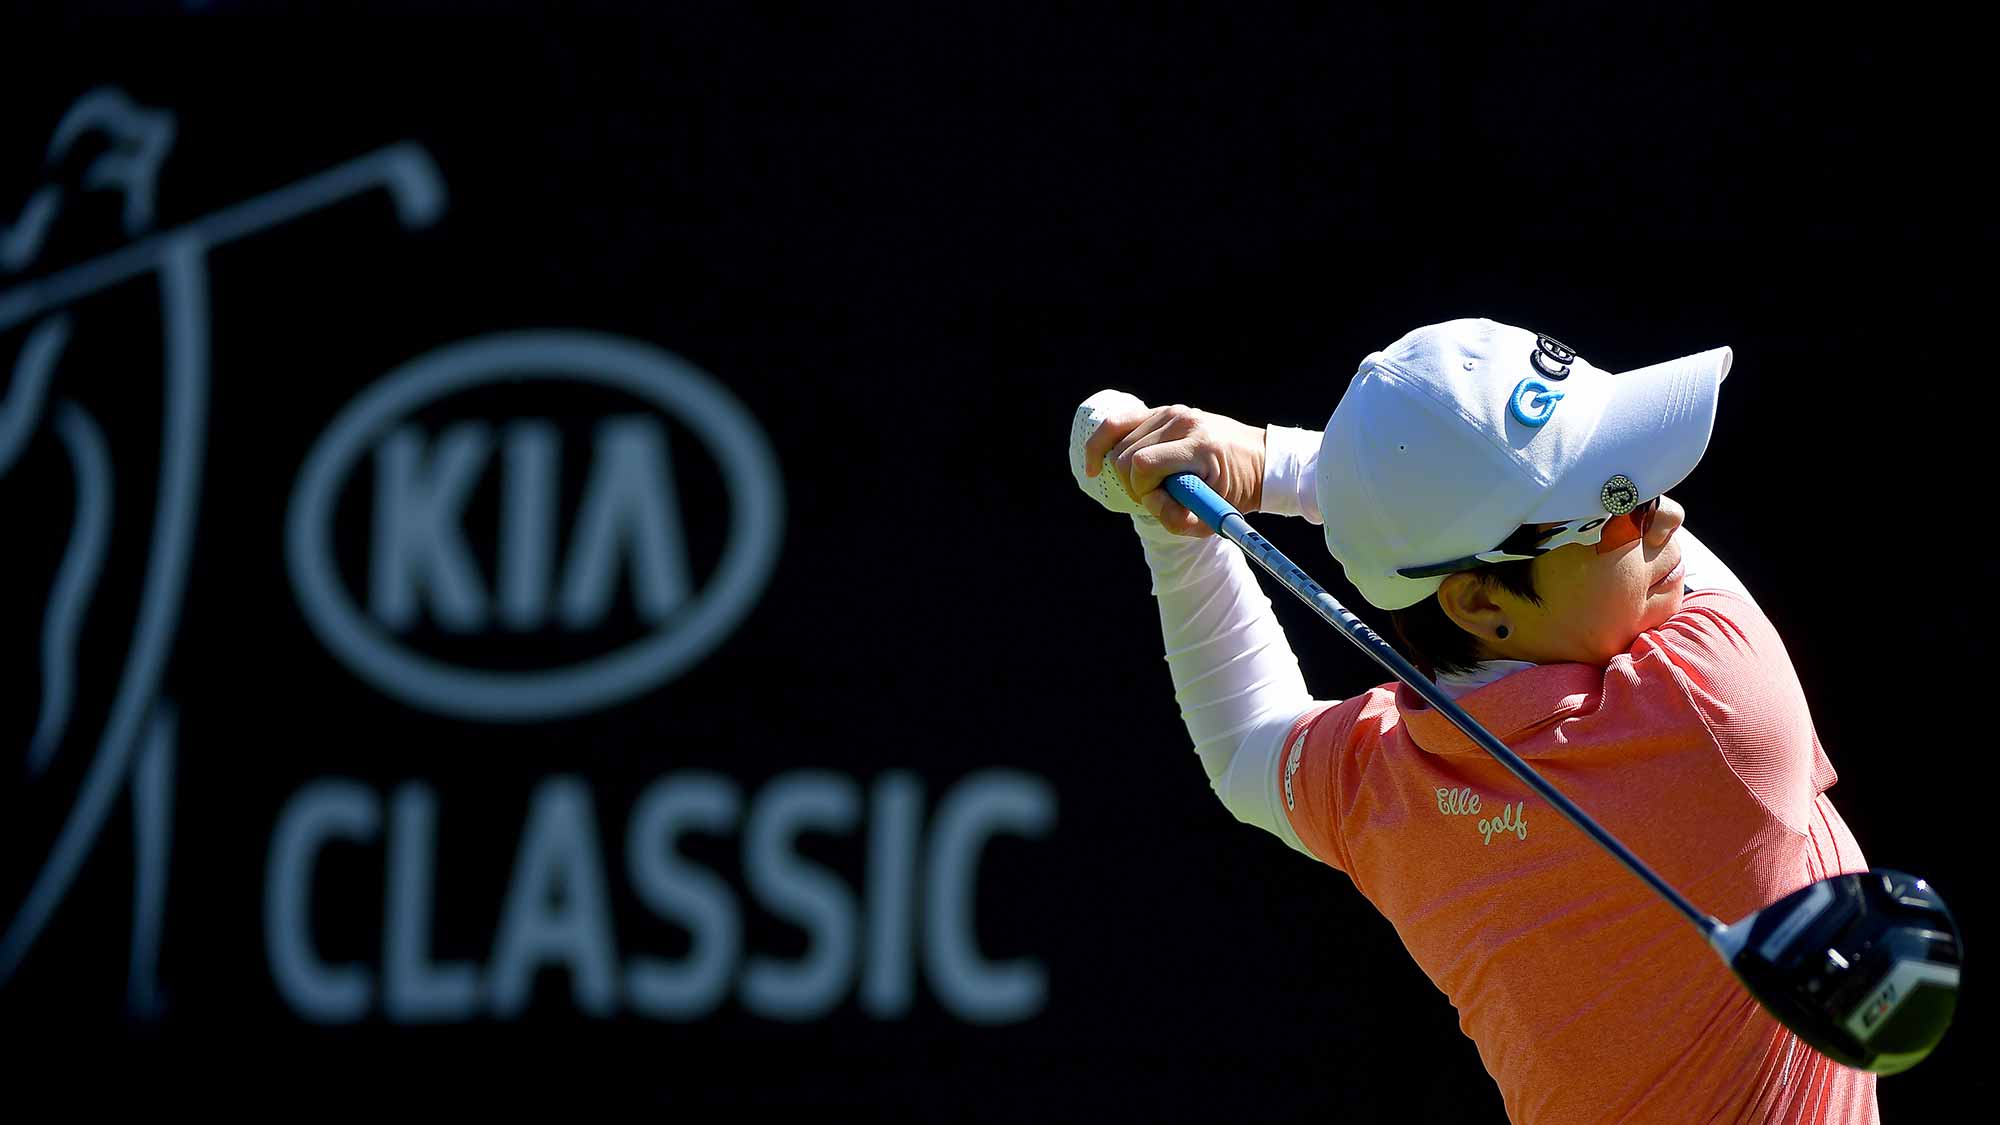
{"points": [[1863, 967]]}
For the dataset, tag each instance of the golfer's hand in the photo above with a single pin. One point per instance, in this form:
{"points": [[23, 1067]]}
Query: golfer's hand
{"points": [[1145, 447]]}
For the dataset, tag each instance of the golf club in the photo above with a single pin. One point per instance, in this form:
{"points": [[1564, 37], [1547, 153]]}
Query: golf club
{"points": [[1863, 967]]}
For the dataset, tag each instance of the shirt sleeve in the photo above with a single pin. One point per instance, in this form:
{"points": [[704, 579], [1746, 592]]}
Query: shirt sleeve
{"points": [[1235, 678], [1315, 776]]}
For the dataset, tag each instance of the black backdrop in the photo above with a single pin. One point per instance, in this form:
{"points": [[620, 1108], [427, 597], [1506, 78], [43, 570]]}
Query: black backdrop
{"points": [[906, 245]]}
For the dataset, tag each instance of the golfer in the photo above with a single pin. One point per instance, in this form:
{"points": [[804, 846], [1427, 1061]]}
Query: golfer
{"points": [[1505, 501]]}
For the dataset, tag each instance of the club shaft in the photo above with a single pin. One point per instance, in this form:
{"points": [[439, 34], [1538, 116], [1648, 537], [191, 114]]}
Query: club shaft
{"points": [[1220, 515]]}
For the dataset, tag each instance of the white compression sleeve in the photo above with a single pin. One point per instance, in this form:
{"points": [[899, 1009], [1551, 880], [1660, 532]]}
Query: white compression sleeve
{"points": [[1235, 678], [1291, 466]]}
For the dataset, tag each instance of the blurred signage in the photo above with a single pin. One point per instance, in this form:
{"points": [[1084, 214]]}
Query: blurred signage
{"points": [[867, 942], [578, 583]]}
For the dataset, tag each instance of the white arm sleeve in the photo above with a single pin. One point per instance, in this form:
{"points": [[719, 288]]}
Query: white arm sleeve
{"points": [[1235, 678], [1291, 467]]}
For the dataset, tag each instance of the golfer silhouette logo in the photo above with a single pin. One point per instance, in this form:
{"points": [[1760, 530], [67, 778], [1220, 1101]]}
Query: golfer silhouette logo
{"points": [[128, 747]]}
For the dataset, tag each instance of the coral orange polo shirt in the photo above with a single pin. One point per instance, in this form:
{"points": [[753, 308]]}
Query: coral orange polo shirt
{"points": [[1591, 999]]}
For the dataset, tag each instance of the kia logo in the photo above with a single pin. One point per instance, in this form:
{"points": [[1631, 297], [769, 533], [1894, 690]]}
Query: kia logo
{"points": [[548, 569]]}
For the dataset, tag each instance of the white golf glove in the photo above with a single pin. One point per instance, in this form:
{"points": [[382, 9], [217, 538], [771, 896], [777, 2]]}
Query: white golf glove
{"points": [[1105, 487]]}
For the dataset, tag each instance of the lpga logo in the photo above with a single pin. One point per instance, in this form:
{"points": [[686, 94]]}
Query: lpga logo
{"points": [[134, 748]]}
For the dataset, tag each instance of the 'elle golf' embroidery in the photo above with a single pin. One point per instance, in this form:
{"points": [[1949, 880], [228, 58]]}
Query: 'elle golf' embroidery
{"points": [[1464, 802]]}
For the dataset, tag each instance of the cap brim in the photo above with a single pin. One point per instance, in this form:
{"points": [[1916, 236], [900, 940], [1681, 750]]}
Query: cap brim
{"points": [[1653, 429]]}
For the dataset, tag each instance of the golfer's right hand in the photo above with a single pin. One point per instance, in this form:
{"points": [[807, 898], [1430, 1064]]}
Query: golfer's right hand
{"points": [[1142, 447]]}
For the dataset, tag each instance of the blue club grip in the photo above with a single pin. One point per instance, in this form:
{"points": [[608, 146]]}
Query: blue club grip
{"points": [[1194, 494]]}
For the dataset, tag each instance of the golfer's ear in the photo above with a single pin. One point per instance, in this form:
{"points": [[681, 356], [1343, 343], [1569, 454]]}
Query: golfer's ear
{"points": [[1467, 599]]}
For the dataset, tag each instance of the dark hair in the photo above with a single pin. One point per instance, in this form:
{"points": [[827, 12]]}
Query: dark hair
{"points": [[1434, 642]]}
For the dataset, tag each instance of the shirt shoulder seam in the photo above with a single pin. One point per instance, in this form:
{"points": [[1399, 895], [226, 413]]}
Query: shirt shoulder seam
{"points": [[1685, 685]]}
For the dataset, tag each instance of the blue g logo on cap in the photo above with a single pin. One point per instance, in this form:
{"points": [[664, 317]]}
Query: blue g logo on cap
{"points": [[1532, 402]]}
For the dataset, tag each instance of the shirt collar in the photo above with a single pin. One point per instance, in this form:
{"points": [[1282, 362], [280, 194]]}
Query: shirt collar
{"points": [[1455, 684], [1534, 696]]}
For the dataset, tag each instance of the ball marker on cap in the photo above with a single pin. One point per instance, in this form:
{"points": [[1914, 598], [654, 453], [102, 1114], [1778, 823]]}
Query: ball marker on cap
{"points": [[1619, 495]]}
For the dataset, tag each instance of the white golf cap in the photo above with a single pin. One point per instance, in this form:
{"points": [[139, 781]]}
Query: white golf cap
{"points": [[1450, 439]]}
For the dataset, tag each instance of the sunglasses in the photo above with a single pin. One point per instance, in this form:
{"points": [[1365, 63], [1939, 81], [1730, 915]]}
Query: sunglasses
{"points": [[1608, 533]]}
